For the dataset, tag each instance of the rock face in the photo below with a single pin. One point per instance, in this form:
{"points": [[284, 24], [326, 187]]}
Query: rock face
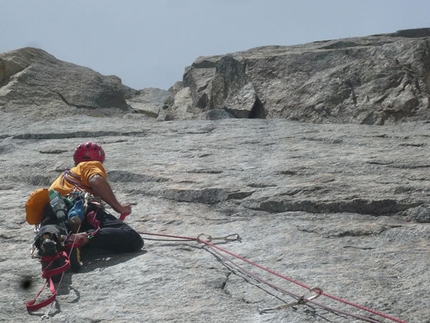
{"points": [[339, 207], [370, 80], [379, 79], [31, 78]]}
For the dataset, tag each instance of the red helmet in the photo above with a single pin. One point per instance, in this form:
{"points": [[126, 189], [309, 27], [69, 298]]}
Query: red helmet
{"points": [[88, 151]]}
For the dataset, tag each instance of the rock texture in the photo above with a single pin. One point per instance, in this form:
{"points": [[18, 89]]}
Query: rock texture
{"points": [[341, 207], [31, 78], [378, 79], [371, 80]]}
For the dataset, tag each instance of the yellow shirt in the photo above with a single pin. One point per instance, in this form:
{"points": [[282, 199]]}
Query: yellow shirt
{"points": [[78, 178]]}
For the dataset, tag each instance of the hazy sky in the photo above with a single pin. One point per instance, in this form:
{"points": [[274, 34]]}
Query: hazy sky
{"points": [[148, 43]]}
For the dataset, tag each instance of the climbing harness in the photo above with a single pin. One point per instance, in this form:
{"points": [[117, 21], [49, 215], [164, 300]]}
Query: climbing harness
{"points": [[71, 246]]}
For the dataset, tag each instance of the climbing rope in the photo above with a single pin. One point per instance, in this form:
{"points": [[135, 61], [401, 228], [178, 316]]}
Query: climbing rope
{"points": [[207, 240], [202, 237], [242, 270], [301, 300]]}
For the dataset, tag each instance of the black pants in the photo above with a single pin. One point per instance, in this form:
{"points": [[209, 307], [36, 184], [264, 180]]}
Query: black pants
{"points": [[113, 235]]}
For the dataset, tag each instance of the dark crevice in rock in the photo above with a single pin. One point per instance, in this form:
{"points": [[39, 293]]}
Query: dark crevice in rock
{"points": [[63, 98], [261, 185], [78, 134], [127, 177], [238, 195], [224, 282], [257, 111], [360, 206], [204, 196], [73, 105], [53, 152], [405, 166], [205, 171]]}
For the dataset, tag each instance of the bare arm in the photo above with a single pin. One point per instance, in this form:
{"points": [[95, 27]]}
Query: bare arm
{"points": [[102, 188]]}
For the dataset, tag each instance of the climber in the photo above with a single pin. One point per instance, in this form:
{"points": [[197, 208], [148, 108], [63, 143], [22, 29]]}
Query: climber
{"points": [[92, 225]]}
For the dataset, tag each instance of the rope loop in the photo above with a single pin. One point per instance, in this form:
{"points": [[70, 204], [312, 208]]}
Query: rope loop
{"points": [[318, 292]]}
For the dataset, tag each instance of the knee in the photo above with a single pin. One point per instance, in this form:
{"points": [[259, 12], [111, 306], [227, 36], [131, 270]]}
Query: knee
{"points": [[138, 242]]}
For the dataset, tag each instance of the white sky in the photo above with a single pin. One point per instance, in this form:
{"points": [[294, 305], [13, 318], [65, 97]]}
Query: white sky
{"points": [[148, 43]]}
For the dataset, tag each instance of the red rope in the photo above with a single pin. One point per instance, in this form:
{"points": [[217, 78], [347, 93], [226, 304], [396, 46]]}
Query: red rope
{"points": [[366, 319], [279, 275], [305, 286]]}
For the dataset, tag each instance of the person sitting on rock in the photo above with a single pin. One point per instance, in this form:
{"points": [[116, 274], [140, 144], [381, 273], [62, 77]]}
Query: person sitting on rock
{"points": [[95, 227]]}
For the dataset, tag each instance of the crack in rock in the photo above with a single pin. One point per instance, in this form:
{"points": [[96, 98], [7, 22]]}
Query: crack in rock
{"points": [[127, 177], [361, 206], [78, 134]]}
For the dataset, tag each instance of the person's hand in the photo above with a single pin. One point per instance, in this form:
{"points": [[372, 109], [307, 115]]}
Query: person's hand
{"points": [[125, 208]]}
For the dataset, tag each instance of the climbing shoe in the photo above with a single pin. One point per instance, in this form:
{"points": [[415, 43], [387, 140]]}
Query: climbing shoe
{"points": [[49, 244], [48, 247]]}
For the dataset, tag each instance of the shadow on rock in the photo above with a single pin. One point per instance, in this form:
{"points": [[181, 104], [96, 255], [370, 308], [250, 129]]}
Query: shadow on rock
{"points": [[95, 258]]}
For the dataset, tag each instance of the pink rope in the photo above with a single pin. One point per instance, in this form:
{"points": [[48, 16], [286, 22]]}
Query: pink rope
{"points": [[366, 319], [279, 275]]}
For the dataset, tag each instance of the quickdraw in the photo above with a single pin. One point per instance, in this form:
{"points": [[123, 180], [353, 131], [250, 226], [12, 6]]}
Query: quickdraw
{"points": [[230, 237], [301, 301]]}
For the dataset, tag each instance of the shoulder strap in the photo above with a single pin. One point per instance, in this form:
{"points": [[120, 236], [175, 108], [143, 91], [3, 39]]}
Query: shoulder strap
{"points": [[75, 180]]}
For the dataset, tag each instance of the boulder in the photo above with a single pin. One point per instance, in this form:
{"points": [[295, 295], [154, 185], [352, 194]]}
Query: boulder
{"points": [[149, 101], [375, 79], [38, 84]]}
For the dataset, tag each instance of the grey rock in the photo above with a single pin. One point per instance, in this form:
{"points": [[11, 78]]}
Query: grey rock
{"points": [[339, 207], [317, 204], [182, 107], [217, 114], [376, 79], [32, 78], [149, 101], [419, 214]]}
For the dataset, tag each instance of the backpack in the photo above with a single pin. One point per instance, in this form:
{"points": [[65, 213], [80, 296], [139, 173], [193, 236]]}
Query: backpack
{"points": [[36, 203]]}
